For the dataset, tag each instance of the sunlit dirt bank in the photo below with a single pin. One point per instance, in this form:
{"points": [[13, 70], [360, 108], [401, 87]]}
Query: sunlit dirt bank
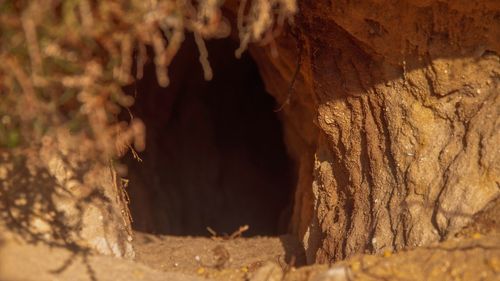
{"points": [[249, 140]]}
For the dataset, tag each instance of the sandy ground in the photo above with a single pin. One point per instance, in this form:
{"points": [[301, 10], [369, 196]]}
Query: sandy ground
{"points": [[257, 259], [22, 262], [473, 255], [217, 258]]}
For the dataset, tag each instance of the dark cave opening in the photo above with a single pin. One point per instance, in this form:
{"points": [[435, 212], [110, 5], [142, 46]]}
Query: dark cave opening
{"points": [[215, 155]]}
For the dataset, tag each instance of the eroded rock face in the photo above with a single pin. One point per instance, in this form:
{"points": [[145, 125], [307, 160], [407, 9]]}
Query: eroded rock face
{"points": [[52, 193], [394, 114]]}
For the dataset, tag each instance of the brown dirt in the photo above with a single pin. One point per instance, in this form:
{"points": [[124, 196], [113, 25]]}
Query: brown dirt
{"points": [[38, 262], [216, 258], [474, 258], [469, 259]]}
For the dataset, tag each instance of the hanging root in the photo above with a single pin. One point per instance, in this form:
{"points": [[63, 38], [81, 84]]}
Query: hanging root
{"points": [[207, 70], [71, 73], [298, 64], [260, 19]]}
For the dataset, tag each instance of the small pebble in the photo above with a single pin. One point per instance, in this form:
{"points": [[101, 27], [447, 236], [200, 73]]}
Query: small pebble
{"points": [[200, 271], [268, 272], [338, 273]]}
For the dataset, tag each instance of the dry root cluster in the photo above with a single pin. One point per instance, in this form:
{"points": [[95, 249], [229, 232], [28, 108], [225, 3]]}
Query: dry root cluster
{"points": [[65, 63]]}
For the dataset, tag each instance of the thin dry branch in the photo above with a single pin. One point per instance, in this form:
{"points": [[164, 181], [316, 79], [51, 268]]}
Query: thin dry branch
{"points": [[207, 70]]}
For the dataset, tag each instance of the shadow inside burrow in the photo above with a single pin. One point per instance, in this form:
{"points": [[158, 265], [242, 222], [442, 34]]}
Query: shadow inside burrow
{"points": [[295, 255], [215, 154]]}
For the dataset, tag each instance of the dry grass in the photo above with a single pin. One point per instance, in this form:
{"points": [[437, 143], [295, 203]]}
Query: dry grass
{"points": [[65, 62]]}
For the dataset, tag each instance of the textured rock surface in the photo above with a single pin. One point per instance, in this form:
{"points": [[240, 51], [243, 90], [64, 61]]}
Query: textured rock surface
{"points": [[25, 262], [394, 113], [63, 200], [451, 260]]}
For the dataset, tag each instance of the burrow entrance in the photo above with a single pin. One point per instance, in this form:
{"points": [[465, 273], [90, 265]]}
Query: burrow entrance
{"points": [[215, 154]]}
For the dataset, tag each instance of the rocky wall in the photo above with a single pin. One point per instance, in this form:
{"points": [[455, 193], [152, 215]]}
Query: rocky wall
{"points": [[393, 118]]}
